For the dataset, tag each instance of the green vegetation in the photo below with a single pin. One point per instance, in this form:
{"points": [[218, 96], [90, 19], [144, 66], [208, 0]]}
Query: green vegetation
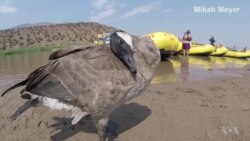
{"points": [[30, 49]]}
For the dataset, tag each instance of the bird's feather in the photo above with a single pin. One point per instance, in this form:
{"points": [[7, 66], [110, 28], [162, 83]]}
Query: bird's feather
{"points": [[78, 75], [61, 53]]}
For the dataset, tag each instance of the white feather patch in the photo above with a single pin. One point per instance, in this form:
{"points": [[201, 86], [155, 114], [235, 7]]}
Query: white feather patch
{"points": [[54, 104], [127, 38]]}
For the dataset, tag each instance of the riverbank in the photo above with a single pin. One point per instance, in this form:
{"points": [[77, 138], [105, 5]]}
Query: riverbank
{"points": [[30, 49], [217, 109]]}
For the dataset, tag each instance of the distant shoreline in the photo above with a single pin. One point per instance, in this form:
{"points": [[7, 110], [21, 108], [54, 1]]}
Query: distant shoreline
{"points": [[28, 49]]}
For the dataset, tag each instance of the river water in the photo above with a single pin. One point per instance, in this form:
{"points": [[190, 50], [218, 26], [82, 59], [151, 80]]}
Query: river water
{"points": [[14, 68], [195, 68]]}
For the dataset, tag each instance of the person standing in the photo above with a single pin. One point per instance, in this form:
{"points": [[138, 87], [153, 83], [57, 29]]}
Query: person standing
{"points": [[187, 38], [212, 41]]}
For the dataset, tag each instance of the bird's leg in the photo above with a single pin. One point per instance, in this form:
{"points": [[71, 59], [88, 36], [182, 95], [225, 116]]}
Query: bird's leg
{"points": [[24, 107], [101, 127], [111, 131]]}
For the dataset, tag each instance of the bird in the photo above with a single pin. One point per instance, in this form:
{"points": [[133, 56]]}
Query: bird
{"points": [[92, 80]]}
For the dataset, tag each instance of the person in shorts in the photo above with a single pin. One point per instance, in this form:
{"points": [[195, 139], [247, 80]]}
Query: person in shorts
{"points": [[187, 38]]}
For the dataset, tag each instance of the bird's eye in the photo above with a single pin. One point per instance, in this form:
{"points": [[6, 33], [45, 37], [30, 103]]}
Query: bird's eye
{"points": [[121, 42]]}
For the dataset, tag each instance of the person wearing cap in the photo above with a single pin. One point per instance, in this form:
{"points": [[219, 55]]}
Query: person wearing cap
{"points": [[187, 38], [212, 41]]}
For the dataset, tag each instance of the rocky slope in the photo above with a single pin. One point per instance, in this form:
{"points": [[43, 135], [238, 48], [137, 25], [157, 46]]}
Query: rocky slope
{"points": [[56, 34]]}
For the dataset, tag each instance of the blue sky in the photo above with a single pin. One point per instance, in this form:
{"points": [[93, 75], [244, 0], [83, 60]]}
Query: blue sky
{"points": [[138, 17]]}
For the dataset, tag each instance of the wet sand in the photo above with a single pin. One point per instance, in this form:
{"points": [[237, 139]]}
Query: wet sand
{"points": [[217, 109]]}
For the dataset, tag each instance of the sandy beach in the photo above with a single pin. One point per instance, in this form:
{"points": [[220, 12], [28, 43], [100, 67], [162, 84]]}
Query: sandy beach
{"points": [[217, 109]]}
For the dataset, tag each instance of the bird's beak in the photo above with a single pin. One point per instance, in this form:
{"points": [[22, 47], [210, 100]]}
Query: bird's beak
{"points": [[128, 60]]}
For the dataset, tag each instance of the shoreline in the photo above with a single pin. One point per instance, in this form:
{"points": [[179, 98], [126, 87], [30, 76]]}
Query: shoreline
{"points": [[38, 48], [28, 49]]}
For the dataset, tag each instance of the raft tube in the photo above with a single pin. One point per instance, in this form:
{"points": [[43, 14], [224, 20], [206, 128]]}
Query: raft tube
{"points": [[201, 50], [238, 54], [219, 51], [166, 42]]}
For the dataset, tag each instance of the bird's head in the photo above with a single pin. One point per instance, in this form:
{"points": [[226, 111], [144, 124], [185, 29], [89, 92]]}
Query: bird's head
{"points": [[122, 46]]}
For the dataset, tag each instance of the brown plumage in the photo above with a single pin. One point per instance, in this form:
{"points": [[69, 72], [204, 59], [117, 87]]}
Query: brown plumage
{"points": [[92, 80]]}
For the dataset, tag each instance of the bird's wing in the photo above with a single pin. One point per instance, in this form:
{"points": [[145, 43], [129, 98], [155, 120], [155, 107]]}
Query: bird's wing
{"points": [[41, 72], [67, 51], [81, 74]]}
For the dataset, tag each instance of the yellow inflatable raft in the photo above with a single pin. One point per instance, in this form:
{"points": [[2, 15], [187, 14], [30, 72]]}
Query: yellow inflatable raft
{"points": [[99, 43], [219, 51], [238, 54], [99, 40], [102, 39], [166, 42], [179, 47], [202, 50]]}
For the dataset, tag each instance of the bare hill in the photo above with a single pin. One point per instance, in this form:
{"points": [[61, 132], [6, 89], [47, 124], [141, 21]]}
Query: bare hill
{"points": [[56, 34]]}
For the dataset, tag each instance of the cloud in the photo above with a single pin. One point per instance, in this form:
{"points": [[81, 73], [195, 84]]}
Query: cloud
{"points": [[140, 10], [102, 15], [99, 4], [7, 9], [102, 9]]}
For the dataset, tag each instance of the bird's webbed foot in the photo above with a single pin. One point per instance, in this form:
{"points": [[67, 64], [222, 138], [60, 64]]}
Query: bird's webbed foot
{"points": [[111, 131], [107, 130]]}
